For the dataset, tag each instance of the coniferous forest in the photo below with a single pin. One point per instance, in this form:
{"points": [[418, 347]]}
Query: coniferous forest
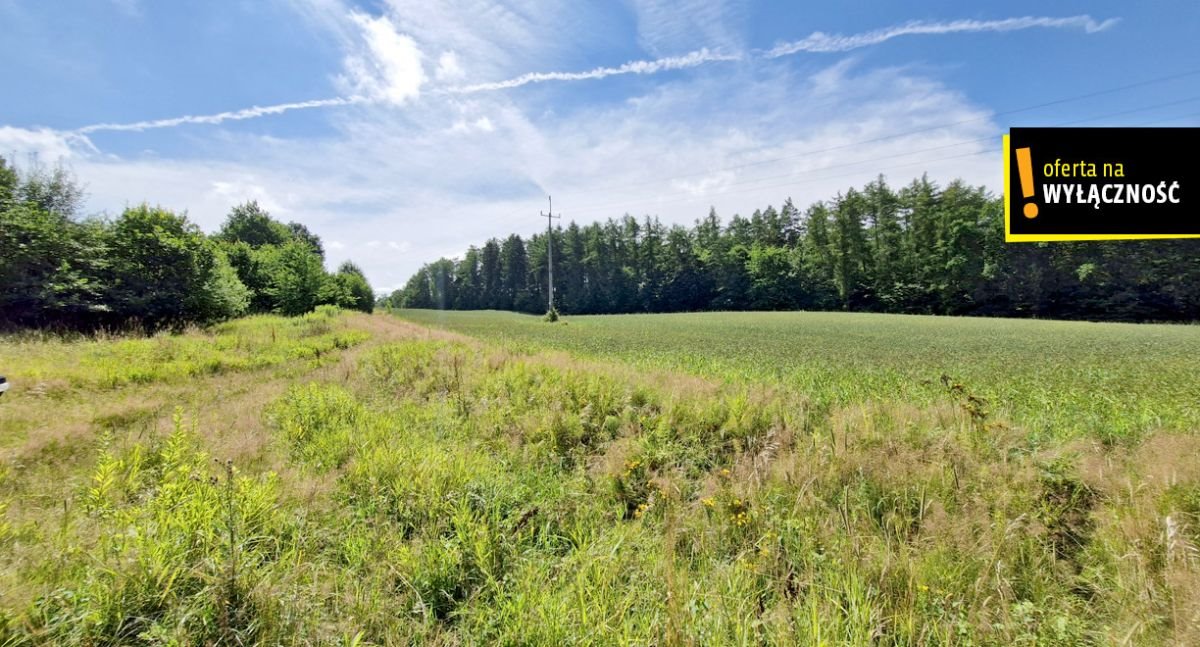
{"points": [[151, 267], [922, 249]]}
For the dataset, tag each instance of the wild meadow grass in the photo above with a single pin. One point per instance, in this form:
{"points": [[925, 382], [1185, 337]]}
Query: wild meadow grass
{"points": [[246, 344], [419, 487]]}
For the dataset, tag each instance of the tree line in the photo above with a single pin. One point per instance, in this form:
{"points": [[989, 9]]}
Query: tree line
{"points": [[921, 249], [152, 267]]}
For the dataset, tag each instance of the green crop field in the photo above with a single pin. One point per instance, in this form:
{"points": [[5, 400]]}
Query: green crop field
{"points": [[1056, 379], [701, 479]]}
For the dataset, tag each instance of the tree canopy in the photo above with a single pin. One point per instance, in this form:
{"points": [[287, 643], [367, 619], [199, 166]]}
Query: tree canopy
{"points": [[151, 266], [919, 249]]}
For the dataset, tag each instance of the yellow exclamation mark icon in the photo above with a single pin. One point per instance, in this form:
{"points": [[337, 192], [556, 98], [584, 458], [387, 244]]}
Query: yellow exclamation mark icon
{"points": [[1025, 171]]}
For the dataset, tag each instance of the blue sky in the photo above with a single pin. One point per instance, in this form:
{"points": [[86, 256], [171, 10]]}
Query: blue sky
{"points": [[401, 131]]}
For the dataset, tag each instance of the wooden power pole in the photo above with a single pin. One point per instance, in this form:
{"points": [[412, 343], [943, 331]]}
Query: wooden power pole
{"points": [[550, 254]]}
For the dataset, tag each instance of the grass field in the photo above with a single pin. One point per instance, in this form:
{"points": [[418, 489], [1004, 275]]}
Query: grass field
{"points": [[743, 479], [1053, 378]]}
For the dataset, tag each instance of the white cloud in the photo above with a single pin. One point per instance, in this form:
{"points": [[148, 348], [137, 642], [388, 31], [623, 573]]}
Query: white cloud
{"points": [[448, 68], [754, 141], [48, 145], [500, 38], [657, 155], [821, 42], [387, 66], [482, 124], [238, 191], [759, 141], [709, 183], [393, 193]]}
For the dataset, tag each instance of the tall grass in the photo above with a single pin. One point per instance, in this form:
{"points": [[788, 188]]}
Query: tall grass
{"points": [[426, 489], [57, 365]]}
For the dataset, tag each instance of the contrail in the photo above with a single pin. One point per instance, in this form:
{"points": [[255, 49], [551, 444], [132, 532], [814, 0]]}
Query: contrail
{"points": [[234, 115], [693, 59], [820, 42], [817, 42]]}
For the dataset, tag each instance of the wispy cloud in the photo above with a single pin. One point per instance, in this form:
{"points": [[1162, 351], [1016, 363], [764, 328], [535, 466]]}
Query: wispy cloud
{"points": [[45, 143], [354, 188], [667, 27], [482, 124], [820, 42], [387, 65], [382, 65], [220, 117], [449, 69], [395, 81]]}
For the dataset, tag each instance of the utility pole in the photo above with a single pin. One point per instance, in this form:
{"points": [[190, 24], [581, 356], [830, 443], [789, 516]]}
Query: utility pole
{"points": [[550, 253]]}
